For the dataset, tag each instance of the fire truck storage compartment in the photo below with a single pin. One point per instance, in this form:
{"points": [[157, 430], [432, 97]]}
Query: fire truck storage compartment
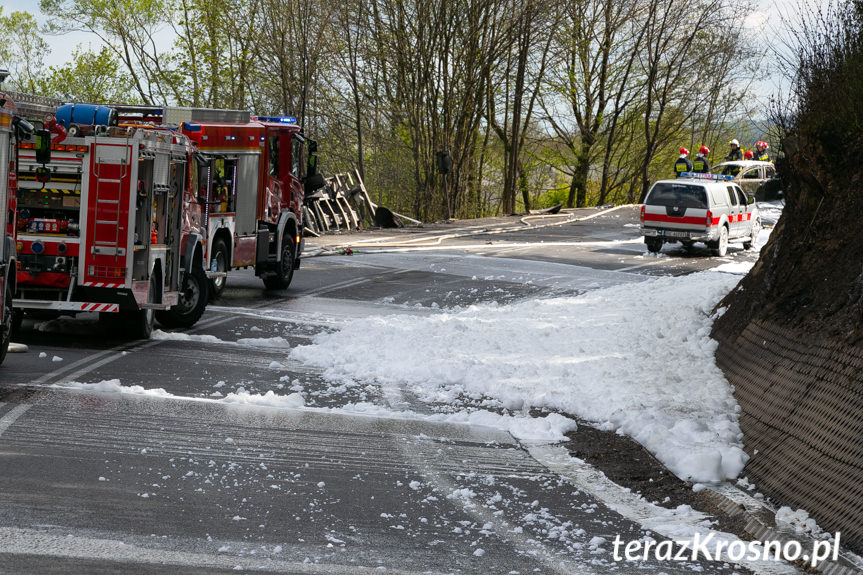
{"points": [[53, 209], [247, 198]]}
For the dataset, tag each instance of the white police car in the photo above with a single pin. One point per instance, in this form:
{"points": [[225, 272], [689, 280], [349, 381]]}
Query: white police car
{"points": [[699, 208]]}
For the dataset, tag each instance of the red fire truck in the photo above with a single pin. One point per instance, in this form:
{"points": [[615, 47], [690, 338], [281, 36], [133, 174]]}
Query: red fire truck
{"points": [[109, 223], [252, 175], [7, 207]]}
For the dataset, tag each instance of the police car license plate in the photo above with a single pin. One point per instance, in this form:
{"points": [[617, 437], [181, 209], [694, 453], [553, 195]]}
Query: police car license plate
{"points": [[674, 234]]}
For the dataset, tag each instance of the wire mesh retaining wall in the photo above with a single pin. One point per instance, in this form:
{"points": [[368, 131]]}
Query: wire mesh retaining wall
{"points": [[802, 418]]}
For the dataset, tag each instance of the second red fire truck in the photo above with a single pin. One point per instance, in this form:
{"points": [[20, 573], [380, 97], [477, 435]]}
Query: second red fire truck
{"points": [[253, 173]]}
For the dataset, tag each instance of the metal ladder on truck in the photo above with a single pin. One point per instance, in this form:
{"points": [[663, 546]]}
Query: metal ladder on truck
{"points": [[109, 171]]}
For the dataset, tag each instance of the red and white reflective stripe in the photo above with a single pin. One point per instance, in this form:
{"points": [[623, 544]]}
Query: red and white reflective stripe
{"points": [[689, 220], [107, 307], [102, 285]]}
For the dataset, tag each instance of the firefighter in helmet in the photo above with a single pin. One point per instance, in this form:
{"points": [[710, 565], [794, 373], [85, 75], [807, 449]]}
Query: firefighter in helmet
{"points": [[747, 155], [701, 165], [735, 153], [761, 151], [682, 164]]}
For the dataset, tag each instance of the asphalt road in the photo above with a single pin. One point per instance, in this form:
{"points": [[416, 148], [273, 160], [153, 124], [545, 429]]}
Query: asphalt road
{"points": [[173, 480]]}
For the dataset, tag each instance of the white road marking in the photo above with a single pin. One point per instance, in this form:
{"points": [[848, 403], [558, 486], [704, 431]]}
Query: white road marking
{"points": [[10, 417], [40, 543]]}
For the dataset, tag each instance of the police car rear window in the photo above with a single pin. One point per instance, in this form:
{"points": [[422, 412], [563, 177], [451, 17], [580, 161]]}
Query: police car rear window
{"points": [[681, 195]]}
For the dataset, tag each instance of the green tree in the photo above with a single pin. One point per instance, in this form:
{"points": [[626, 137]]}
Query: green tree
{"points": [[130, 29], [22, 49], [89, 77]]}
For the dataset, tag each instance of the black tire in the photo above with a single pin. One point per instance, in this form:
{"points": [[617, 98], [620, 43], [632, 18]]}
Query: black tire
{"points": [[284, 273], [721, 244], [687, 245], [17, 320], [138, 324], [6, 328], [192, 301], [753, 236], [653, 244], [220, 254]]}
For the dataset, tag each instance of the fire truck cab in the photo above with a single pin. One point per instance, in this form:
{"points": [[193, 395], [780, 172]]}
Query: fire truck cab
{"points": [[252, 176], [110, 224]]}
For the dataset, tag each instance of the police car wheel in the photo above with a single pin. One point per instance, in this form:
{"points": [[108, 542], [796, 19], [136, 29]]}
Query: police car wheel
{"points": [[722, 243], [753, 236]]}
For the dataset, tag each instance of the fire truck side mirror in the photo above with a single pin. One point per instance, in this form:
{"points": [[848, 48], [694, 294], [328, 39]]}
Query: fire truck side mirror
{"points": [[314, 182], [43, 146], [23, 128]]}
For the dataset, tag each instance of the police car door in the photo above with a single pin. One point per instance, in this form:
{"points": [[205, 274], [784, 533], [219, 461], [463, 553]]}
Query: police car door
{"points": [[745, 212], [734, 212]]}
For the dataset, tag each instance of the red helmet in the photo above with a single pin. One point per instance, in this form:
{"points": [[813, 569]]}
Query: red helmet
{"points": [[761, 145], [747, 155], [704, 150], [684, 151]]}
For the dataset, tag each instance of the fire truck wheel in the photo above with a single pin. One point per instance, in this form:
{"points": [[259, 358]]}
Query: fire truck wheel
{"points": [[284, 273], [17, 320], [191, 304], [140, 322], [6, 333], [220, 254]]}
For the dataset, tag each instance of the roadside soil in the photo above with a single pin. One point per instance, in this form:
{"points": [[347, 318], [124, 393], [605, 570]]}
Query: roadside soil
{"points": [[625, 462]]}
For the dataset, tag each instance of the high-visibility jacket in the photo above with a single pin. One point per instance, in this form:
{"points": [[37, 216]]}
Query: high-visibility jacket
{"points": [[701, 164], [733, 155], [682, 165]]}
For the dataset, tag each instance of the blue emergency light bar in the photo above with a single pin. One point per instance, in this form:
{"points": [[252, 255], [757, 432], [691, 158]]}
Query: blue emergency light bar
{"points": [[279, 119], [700, 176]]}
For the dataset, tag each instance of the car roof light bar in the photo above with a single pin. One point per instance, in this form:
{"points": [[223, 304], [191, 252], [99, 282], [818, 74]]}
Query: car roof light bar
{"points": [[700, 176]]}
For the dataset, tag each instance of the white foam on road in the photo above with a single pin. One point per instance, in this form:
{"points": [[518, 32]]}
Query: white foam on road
{"points": [[635, 357]]}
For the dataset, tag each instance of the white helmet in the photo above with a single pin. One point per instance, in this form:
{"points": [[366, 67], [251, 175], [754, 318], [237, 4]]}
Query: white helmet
{"points": [[734, 143]]}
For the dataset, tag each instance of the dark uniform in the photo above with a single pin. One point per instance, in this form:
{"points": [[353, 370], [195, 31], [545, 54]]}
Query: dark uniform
{"points": [[701, 165], [682, 165], [733, 155], [761, 156]]}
